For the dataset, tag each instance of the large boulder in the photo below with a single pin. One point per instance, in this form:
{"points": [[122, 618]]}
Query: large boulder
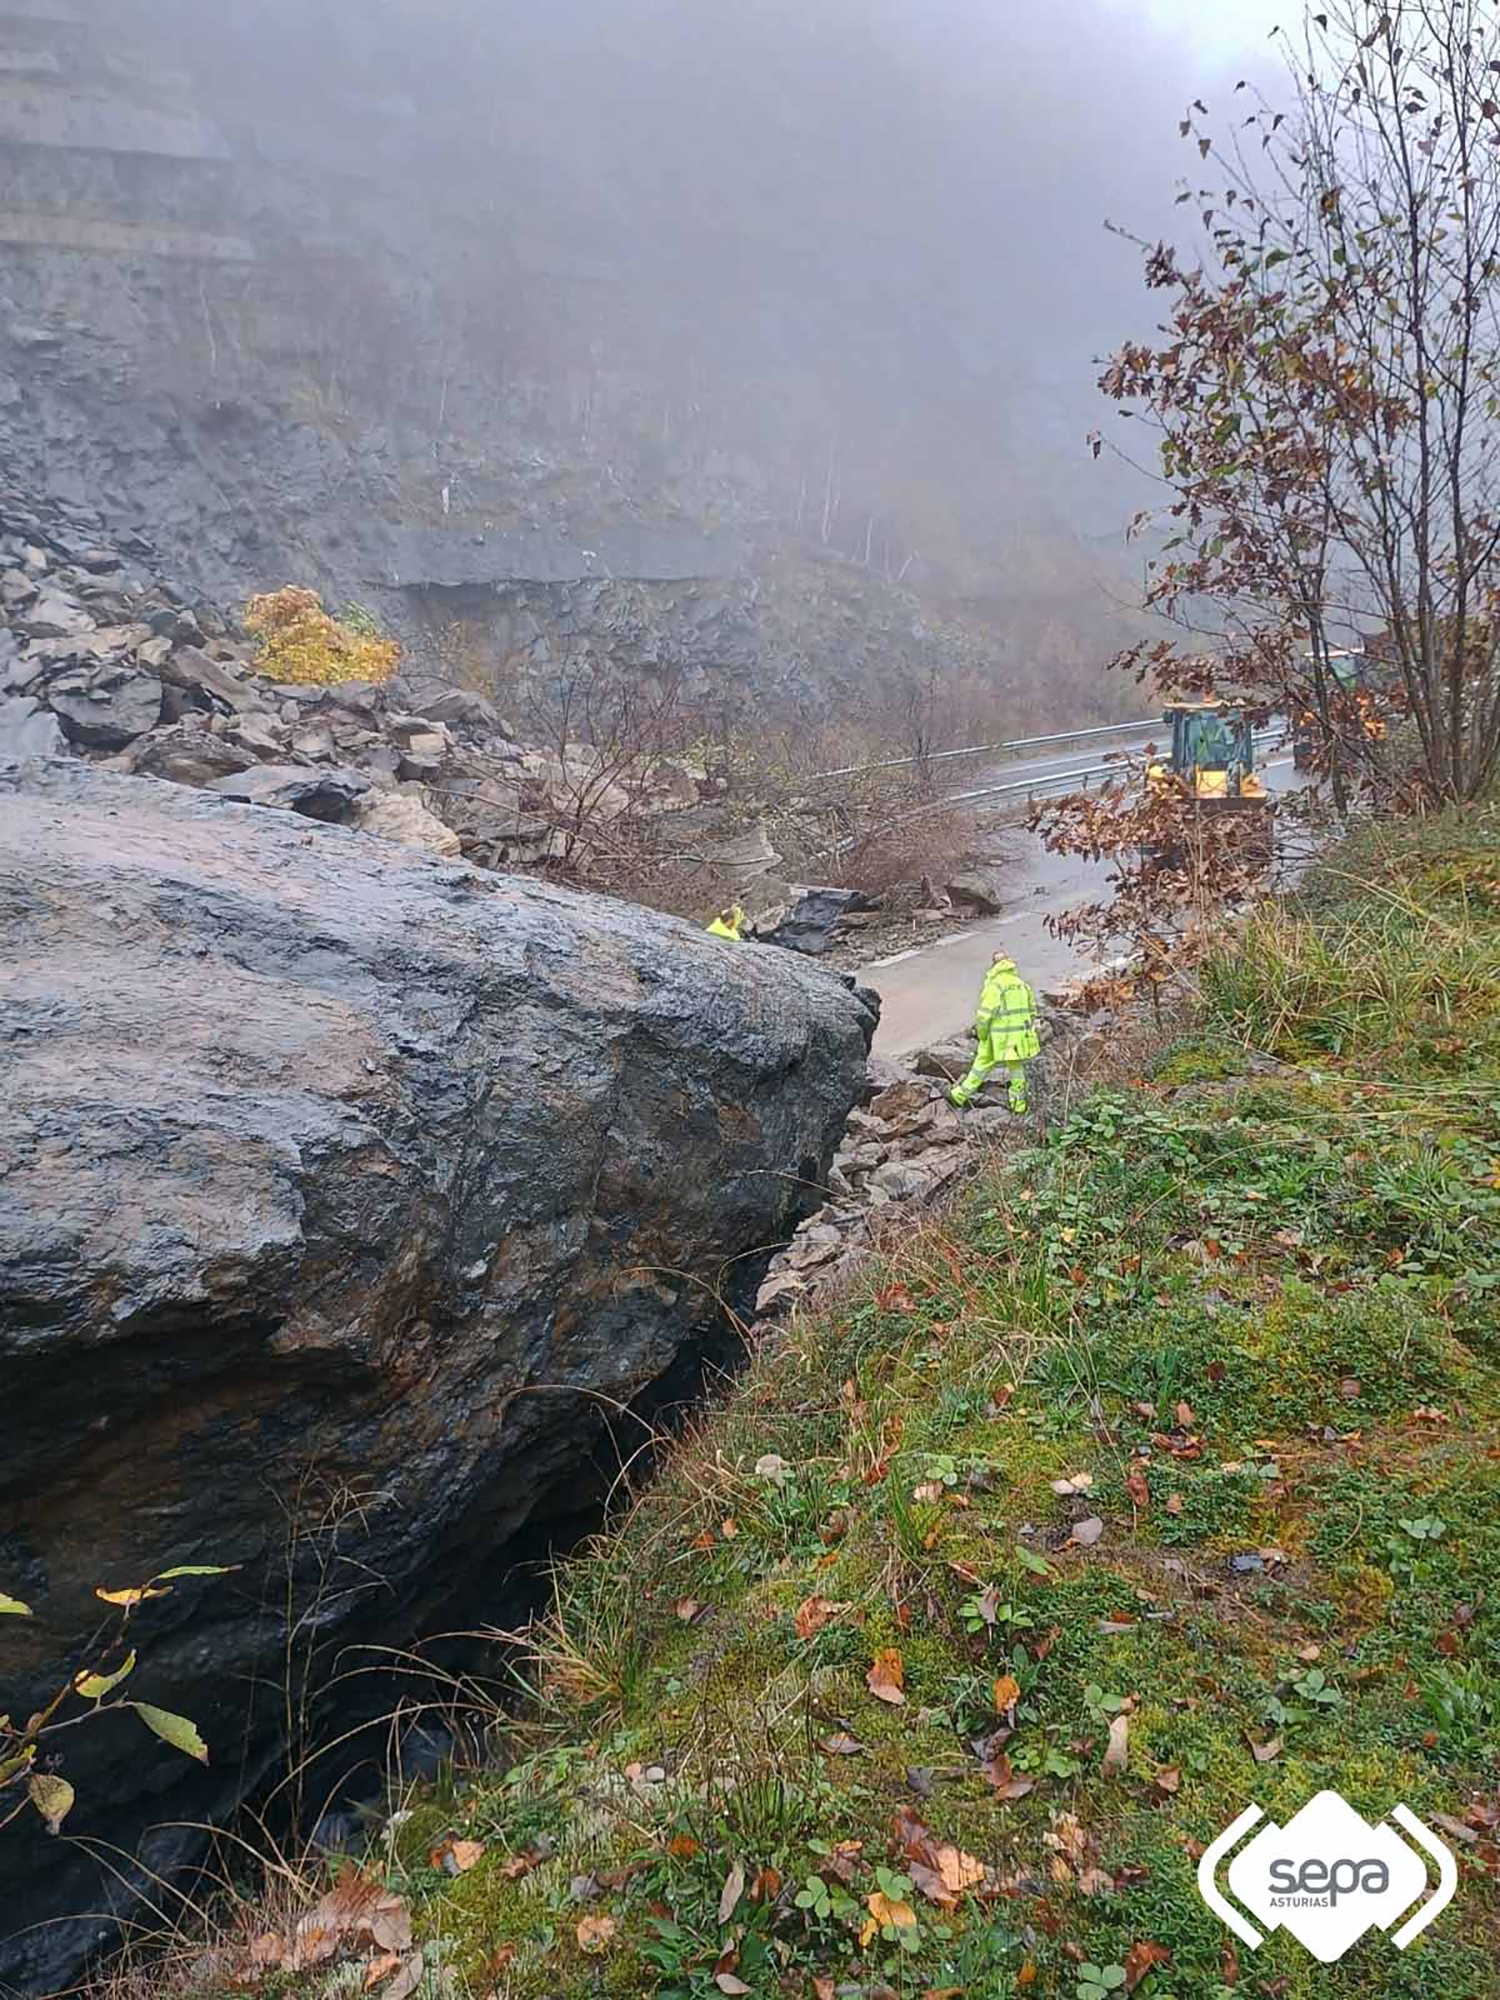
{"points": [[337, 1177]]}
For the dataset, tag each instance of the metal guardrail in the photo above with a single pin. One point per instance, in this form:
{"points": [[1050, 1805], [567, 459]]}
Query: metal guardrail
{"points": [[997, 749], [1063, 781], [1041, 785]]}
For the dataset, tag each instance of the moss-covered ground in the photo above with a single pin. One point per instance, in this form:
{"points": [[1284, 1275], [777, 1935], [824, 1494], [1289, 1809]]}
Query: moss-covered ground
{"points": [[1162, 1474]]}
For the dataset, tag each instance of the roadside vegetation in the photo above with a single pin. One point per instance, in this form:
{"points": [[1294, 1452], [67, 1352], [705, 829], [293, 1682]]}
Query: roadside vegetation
{"points": [[1160, 1475]]}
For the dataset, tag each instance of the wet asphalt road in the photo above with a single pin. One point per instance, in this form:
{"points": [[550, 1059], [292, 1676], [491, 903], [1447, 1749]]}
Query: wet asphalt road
{"points": [[927, 994]]}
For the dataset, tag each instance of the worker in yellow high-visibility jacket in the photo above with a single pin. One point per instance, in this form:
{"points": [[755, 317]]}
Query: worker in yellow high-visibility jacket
{"points": [[729, 923], [1006, 1029]]}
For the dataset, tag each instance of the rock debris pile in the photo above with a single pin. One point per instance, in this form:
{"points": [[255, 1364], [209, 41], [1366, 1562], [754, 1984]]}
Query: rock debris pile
{"points": [[907, 1145], [100, 659]]}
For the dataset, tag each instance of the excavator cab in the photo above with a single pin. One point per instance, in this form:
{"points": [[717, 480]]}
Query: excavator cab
{"points": [[1213, 761], [1213, 750]]}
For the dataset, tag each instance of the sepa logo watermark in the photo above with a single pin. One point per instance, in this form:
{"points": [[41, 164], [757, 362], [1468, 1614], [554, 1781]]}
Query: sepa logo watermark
{"points": [[1328, 1877]]}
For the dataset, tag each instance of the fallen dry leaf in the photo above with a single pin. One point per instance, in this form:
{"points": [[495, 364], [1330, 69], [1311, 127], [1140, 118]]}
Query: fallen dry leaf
{"points": [[1174, 1503], [1168, 1781], [1184, 1416], [725, 1976], [887, 1677], [813, 1613], [840, 1745], [940, 1870], [688, 1609], [406, 1980], [1027, 1974], [523, 1863], [267, 1949], [900, 1916], [380, 1968], [895, 1298], [1066, 1837], [1141, 1957], [844, 1860], [1138, 1489], [1266, 1753], [1077, 1482], [822, 1986], [998, 1773], [1007, 1693], [1117, 1750], [766, 1887], [357, 1913], [734, 1888], [1467, 1835], [456, 1857], [594, 1933]]}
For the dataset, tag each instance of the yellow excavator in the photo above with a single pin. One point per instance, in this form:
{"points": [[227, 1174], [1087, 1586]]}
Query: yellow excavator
{"points": [[1213, 751], [1213, 756]]}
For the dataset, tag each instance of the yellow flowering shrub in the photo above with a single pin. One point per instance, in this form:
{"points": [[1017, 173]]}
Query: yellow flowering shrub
{"points": [[302, 643]]}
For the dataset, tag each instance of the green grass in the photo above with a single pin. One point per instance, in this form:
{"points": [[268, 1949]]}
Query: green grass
{"points": [[1254, 1304]]}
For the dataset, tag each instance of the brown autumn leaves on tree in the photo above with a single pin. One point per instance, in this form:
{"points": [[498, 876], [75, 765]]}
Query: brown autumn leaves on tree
{"points": [[1324, 390]]}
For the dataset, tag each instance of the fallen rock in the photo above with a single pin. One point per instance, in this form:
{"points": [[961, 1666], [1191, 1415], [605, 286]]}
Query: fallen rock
{"points": [[439, 701], [105, 707], [54, 616], [813, 920], [948, 1060], [258, 734], [901, 1180], [28, 730], [188, 754], [887, 1070], [401, 816], [194, 671], [980, 889], [903, 1106], [312, 790], [318, 1155]]}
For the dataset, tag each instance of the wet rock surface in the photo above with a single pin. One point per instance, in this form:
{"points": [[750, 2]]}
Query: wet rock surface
{"points": [[322, 1158]]}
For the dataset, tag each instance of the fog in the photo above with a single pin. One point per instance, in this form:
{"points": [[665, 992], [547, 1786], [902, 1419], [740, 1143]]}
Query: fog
{"points": [[859, 242]]}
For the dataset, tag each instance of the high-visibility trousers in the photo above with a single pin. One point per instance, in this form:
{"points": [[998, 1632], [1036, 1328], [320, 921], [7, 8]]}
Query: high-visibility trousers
{"points": [[985, 1063]]}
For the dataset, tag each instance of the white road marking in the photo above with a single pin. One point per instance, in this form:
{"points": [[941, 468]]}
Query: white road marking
{"points": [[918, 950]]}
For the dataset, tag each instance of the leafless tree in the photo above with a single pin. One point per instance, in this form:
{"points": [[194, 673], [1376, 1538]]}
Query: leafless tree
{"points": [[1326, 394]]}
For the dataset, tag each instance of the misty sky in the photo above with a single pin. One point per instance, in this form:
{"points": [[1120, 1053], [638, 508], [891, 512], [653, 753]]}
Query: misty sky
{"points": [[1216, 29]]}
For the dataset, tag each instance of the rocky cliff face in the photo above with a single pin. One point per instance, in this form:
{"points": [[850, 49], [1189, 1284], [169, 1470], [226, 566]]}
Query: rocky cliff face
{"points": [[334, 1169], [422, 306]]}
